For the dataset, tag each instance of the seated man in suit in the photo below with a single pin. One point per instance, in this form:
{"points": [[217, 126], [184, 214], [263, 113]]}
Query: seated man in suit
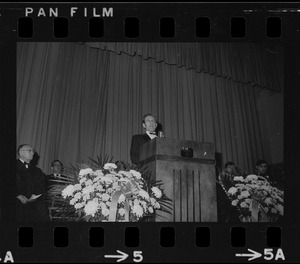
{"points": [[262, 168], [57, 170], [149, 124], [53, 180], [30, 184]]}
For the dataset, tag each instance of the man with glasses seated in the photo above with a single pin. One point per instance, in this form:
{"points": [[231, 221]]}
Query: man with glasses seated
{"points": [[30, 183]]}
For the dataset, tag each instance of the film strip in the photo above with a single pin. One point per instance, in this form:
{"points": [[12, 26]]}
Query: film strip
{"points": [[185, 240]]}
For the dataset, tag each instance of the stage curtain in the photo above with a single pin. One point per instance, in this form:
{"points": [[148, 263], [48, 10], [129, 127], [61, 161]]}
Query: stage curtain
{"points": [[248, 63], [75, 102]]}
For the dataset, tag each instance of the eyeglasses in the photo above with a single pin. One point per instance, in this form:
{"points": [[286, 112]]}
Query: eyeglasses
{"points": [[29, 150]]}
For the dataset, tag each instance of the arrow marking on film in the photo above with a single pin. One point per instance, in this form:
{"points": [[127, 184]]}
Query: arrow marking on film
{"points": [[253, 255], [121, 257]]}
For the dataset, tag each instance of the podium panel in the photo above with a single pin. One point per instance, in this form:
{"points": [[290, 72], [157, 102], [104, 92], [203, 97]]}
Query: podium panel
{"points": [[188, 181]]}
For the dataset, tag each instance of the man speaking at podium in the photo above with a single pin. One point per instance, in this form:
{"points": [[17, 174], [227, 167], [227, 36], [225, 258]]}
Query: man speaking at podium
{"points": [[150, 124]]}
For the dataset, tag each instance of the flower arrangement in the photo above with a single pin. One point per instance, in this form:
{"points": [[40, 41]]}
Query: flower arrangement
{"points": [[107, 194], [252, 190]]}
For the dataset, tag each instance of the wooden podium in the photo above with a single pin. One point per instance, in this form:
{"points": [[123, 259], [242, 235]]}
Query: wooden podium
{"points": [[188, 181]]}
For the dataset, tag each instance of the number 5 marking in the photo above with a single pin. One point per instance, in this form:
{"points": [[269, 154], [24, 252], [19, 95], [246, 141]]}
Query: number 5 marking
{"points": [[138, 257]]}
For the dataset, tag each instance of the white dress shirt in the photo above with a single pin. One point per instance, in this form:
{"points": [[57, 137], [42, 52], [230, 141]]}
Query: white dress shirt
{"points": [[151, 135]]}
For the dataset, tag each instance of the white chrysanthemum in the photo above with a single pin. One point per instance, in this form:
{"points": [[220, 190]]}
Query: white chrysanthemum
{"points": [[136, 174], [273, 210], [72, 201], [68, 191], [136, 201], [125, 173], [99, 173], [238, 178], [156, 205], [96, 184], [105, 211], [99, 188], [82, 180], [251, 177], [85, 171], [86, 197], [144, 205], [97, 178], [232, 190], [279, 208], [150, 208], [137, 210], [144, 194], [152, 201], [77, 187], [78, 205], [108, 178], [157, 192], [108, 204], [115, 185], [105, 197], [87, 190], [88, 182], [243, 204], [280, 199], [109, 166], [245, 194], [240, 197], [121, 198], [109, 191], [77, 196], [248, 201], [91, 208], [122, 211], [234, 202], [268, 201]]}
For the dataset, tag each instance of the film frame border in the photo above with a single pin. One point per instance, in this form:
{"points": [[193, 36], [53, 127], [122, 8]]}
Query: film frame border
{"points": [[289, 39]]}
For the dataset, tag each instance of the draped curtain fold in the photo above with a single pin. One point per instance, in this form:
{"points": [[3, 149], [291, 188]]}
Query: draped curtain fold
{"points": [[75, 102], [247, 63]]}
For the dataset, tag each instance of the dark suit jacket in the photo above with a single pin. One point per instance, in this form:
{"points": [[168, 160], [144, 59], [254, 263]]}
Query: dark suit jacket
{"points": [[30, 181], [136, 142]]}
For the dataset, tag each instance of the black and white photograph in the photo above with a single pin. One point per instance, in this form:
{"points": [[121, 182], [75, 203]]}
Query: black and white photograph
{"points": [[193, 132], [149, 132]]}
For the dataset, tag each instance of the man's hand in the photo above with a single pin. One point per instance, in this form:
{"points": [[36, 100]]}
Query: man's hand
{"points": [[22, 198]]}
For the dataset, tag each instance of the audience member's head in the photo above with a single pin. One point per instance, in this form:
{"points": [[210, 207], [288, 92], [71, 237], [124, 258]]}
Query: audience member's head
{"points": [[261, 167], [57, 167], [25, 152], [229, 167], [149, 122]]}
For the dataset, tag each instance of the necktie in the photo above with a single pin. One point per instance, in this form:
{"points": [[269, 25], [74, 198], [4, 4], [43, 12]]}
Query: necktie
{"points": [[26, 164], [152, 133]]}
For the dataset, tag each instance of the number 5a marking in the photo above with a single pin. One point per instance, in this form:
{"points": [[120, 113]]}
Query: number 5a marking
{"points": [[268, 252], [137, 256]]}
